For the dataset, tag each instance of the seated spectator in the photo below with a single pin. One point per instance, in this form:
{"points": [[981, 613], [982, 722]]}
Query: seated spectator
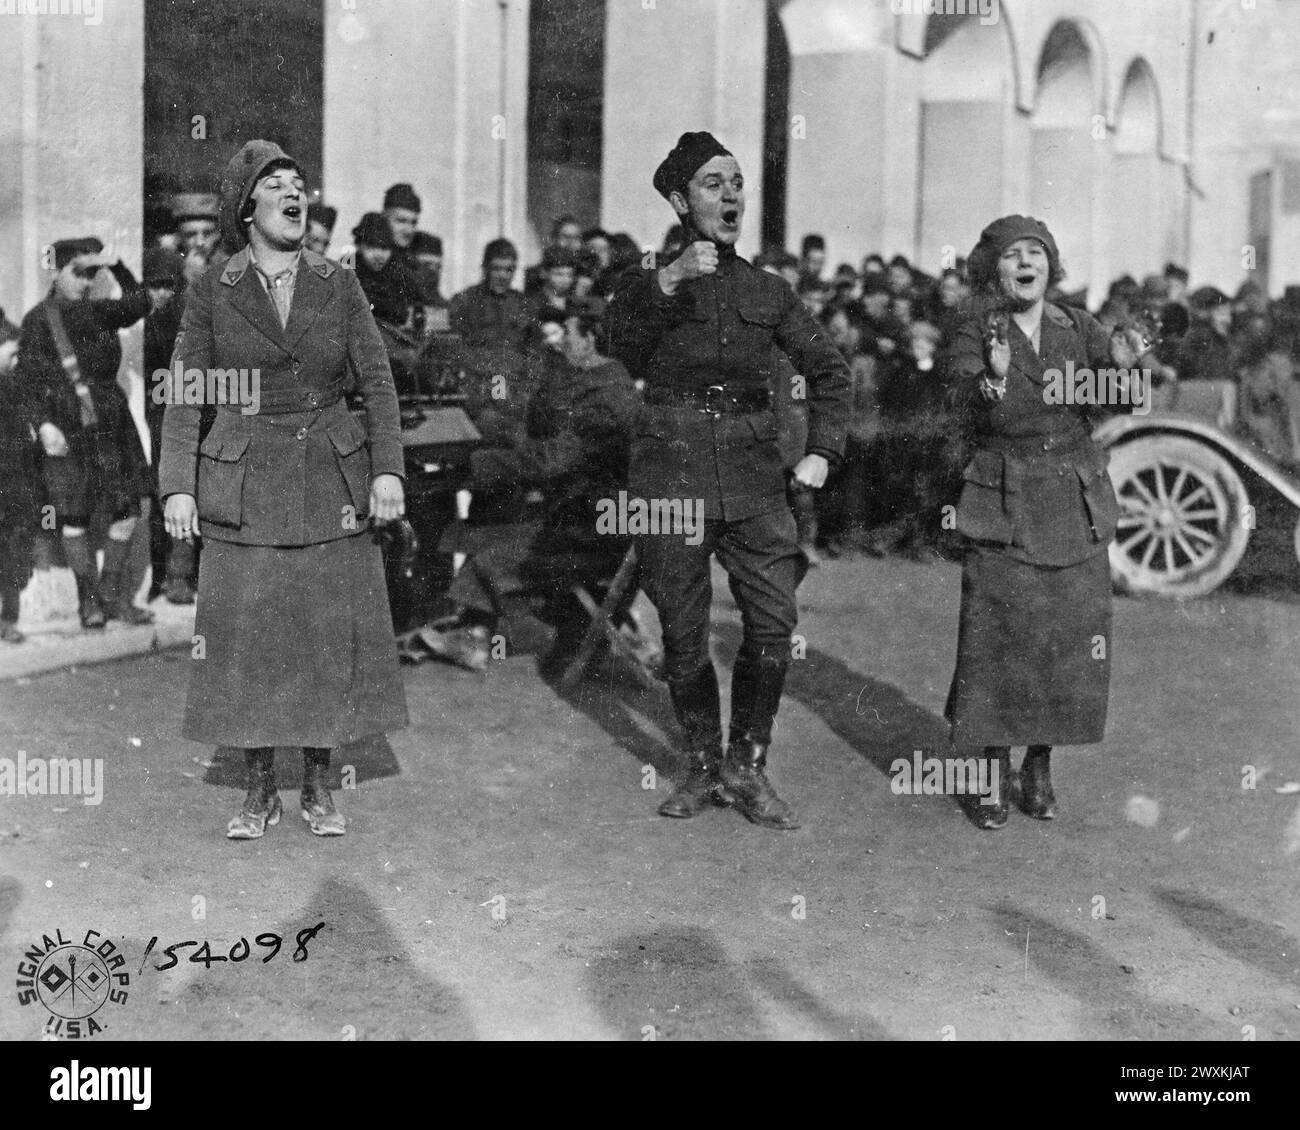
{"points": [[402, 214], [427, 251], [559, 275], [812, 259], [321, 219], [566, 235], [623, 253], [1176, 279], [491, 321], [856, 491], [19, 486], [873, 265], [921, 447], [899, 275], [815, 294], [390, 289], [595, 243], [1268, 399], [875, 305], [949, 303], [1206, 353], [845, 284]]}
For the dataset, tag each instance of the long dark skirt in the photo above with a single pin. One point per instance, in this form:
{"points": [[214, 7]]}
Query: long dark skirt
{"points": [[1033, 652], [297, 646]]}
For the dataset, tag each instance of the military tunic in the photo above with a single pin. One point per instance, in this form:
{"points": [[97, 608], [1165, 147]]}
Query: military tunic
{"points": [[724, 331]]}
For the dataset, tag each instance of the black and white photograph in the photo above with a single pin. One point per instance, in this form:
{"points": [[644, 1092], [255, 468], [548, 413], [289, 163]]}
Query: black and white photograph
{"points": [[651, 521]]}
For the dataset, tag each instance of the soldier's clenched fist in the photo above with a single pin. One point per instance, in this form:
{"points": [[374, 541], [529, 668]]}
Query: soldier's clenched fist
{"points": [[700, 258]]}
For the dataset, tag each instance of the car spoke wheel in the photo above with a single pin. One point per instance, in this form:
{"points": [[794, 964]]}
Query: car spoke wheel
{"points": [[1183, 523]]}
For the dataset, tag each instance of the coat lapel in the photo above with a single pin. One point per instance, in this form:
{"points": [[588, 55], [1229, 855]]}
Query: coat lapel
{"points": [[311, 294], [1023, 358], [249, 297]]}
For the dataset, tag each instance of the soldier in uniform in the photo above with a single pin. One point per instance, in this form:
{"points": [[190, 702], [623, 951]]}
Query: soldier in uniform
{"points": [[705, 332]]}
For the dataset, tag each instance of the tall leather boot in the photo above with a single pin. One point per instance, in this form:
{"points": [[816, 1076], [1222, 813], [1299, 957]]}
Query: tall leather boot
{"points": [[118, 604], [262, 805], [90, 607], [992, 816], [699, 712], [1036, 796], [756, 686], [317, 803]]}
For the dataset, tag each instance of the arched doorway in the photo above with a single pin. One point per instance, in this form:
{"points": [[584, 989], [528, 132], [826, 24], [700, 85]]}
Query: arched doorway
{"points": [[1067, 147], [1136, 213], [566, 79]]}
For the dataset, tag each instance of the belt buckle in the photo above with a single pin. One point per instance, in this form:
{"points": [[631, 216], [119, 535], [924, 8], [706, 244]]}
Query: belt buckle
{"points": [[709, 406]]}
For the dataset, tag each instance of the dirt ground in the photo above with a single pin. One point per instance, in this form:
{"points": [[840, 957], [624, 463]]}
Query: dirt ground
{"points": [[505, 874]]}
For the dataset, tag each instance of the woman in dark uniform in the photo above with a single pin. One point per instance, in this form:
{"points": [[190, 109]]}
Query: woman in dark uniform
{"points": [[1037, 505], [297, 641]]}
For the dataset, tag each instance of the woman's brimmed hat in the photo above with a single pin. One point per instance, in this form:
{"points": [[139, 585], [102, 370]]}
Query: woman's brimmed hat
{"points": [[246, 168], [1001, 234]]}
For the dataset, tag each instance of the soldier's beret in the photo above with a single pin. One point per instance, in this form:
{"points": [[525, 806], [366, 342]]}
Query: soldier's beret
{"points": [[66, 250], [372, 231], [402, 196], [691, 151]]}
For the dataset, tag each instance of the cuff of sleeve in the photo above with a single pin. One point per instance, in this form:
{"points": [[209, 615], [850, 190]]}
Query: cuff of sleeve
{"points": [[833, 458]]}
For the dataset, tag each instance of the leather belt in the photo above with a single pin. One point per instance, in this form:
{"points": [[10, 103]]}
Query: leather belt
{"points": [[716, 400], [1060, 443], [275, 402]]}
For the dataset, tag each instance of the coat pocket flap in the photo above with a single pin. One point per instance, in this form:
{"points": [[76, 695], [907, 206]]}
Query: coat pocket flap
{"points": [[347, 436], [225, 449]]}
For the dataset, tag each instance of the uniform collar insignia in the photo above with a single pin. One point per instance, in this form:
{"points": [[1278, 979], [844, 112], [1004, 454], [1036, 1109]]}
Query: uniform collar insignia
{"points": [[242, 260]]}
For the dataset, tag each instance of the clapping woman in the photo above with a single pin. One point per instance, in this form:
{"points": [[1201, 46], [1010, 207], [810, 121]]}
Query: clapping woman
{"points": [[1038, 510]]}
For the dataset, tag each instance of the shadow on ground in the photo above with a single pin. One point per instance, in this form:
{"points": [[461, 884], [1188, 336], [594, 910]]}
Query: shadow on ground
{"points": [[678, 984]]}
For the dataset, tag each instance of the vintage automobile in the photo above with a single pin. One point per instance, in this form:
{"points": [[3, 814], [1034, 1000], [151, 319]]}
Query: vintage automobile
{"points": [[1189, 490]]}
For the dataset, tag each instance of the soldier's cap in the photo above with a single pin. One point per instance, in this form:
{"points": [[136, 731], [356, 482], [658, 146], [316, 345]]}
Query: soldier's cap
{"points": [[66, 250], [372, 231], [401, 196], [162, 266], [196, 206], [253, 161], [554, 257], [426, 244], [1174, 271], [691, 151], [324, 215], [1207, 297], [1001, 234]]}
